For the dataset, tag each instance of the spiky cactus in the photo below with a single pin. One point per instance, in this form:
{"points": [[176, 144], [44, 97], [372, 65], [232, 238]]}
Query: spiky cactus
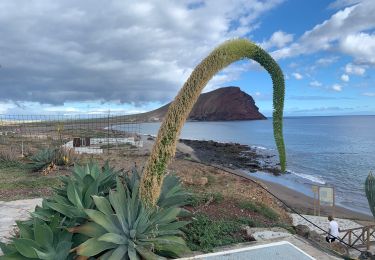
{"points": [[370, 192], [165, 145]]}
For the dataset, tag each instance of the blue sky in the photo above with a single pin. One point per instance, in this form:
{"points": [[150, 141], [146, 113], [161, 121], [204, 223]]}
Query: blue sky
{"points": [[65, 57]]}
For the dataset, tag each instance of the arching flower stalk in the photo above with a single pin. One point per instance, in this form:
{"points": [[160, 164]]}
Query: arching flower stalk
{"points": [[165, 145]]}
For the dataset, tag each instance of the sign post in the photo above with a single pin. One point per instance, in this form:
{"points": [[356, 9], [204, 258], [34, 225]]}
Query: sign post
{"points": [[326, 197]]}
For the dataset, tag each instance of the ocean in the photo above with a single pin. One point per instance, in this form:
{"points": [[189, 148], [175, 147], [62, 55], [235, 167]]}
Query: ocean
{"points": [[333, 150]]}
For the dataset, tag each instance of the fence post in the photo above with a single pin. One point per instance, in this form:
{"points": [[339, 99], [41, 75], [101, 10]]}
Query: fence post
{"points": [[368, 238], [108, 133]]}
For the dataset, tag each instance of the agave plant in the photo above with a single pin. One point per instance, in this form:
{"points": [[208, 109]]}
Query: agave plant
{"points": [[42, 159], [172, 193], [40, 241], [75, 195], [123, 228], [370, 192]]}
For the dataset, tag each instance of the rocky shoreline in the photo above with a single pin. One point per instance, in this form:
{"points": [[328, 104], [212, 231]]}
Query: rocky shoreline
{"points": [[233, 156]]}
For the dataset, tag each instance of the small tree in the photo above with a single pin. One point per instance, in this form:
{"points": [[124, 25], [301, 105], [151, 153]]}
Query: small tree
{"points": [[165, 145]]}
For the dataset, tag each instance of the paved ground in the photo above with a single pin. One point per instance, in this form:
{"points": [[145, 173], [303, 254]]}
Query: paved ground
{"points": [[344, 224], [14, 210], [297, 241]]}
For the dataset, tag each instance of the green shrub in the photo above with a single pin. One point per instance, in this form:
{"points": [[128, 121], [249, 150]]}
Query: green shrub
{"points": [[204, 234]]}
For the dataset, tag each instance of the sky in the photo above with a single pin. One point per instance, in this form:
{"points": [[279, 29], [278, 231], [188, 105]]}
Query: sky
{"points": [[77, 57]]}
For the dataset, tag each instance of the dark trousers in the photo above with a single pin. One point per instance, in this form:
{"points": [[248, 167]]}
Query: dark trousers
{"points": [[330, 239]]}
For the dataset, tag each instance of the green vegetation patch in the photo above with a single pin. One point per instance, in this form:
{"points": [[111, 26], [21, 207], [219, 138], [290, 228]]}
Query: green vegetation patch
{"points": [[204, 234], [259, 208], [18, 183], [198, 199]]}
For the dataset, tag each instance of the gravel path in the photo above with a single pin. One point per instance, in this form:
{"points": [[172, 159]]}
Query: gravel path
{"points": [[10, 211]]}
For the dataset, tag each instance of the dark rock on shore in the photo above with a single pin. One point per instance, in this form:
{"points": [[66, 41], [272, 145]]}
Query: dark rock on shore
{"points": [[232, 155]]}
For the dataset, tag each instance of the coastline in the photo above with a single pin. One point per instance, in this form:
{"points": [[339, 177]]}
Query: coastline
{"points": [[305, 204], [231, 157]]}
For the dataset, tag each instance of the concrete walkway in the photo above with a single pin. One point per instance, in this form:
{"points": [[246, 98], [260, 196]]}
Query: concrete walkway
{"points": [[344, 224], [11, 211]]}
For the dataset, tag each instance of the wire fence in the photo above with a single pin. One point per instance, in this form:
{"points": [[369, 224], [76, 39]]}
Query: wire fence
{"points": [[90, 133]]}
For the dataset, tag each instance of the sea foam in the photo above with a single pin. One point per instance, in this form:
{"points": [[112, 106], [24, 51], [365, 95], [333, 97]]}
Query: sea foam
{"points": [[311, 178]]}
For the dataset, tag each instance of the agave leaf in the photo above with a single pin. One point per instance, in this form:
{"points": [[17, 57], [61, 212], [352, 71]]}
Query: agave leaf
{"points": [[7, 249], [103, 205], [24, 230], [62, 250], [103, 220], [12, 256], [173, 226], [132, 253], [118, 203], [60, 199], [74, 195], [119, 253], [174, 201], [91, 190], [93, 247], [69, 211], [171, 245], [26, 247], [43, 234], [166, 215], [90, 229], [148, 254], [107, 255], [44, 255], [114, 238]]}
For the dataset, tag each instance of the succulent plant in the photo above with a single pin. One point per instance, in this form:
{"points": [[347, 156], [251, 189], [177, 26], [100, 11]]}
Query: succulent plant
{"points": [[42, 159], [123, 228], [172, 192], [39, 241], [77, 190], [165, 144], [370, 192]]}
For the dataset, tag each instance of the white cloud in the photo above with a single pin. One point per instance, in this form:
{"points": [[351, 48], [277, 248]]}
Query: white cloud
{"points": [[278, 39], [327, 61], [315, 83], [297, 76], [361, 46], [131, 51], [5, 106], [369, 94], [355, 69], [345, 77], [339, 33], [337, 87]]}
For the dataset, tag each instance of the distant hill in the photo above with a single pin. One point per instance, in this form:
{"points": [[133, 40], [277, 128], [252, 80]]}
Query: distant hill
{"points": [[223, 104]]}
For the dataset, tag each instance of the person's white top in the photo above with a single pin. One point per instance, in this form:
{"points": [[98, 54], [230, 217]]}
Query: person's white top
{"points": [[334, 228]]}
